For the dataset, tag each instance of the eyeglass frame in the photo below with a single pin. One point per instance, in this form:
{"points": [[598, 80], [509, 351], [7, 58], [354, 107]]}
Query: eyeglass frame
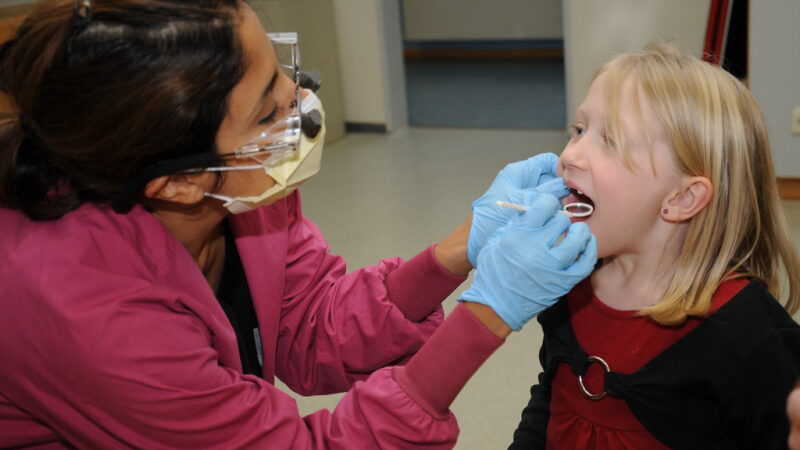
{"points": [[290, 39]]}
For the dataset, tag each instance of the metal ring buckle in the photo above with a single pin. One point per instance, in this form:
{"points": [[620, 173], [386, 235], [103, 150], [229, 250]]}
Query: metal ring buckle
{"points": [[586, 392]]}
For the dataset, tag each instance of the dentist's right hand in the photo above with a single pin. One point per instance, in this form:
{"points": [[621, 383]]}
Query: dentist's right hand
{"points": [[515, 181], [521, 270]]}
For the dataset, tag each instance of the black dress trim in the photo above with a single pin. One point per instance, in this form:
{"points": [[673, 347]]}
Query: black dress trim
{"points": [[723, 385], [234, 297]]}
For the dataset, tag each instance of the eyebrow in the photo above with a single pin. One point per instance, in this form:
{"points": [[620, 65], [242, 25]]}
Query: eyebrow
{"points": [[264, 94]]}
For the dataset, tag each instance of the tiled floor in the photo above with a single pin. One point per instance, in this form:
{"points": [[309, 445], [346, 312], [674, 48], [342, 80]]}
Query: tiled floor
{"points": [[380, 196]]}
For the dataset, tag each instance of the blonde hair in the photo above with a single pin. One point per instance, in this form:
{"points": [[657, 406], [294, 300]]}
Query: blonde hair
{"points": [[717, 131]]}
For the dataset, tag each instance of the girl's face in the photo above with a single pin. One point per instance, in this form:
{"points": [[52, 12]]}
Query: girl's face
{"points": [[628, 201], [262, 96]]}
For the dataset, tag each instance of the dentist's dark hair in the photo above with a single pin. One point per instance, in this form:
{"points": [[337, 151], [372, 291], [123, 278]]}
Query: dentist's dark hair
{"points": [[99, 98]]}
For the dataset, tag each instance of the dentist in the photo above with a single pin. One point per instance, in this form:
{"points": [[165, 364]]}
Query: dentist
{"points": [[158, 273]]}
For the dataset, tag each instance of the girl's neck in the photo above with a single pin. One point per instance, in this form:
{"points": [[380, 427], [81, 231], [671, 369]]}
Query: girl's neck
{"points": [[633, 280], [625, 283]]}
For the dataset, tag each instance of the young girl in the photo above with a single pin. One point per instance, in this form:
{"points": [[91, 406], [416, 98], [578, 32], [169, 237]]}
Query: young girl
{"points": [[675, 340]]}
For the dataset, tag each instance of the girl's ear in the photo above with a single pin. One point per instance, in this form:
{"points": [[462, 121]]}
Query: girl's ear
{"points": [[186, 189], [693, 195]]}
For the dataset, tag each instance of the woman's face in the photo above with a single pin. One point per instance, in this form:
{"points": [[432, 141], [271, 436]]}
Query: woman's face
{"points": [[263, 95]]}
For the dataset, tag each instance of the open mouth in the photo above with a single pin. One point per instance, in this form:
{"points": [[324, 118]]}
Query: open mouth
{"points": [[577, 204], [576, 196]]}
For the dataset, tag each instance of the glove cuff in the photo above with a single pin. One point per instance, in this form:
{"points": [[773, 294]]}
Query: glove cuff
{"points": [[501, 309]]}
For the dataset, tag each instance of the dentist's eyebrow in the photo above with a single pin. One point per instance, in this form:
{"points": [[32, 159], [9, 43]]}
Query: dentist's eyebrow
{"points": [[267, 90]]}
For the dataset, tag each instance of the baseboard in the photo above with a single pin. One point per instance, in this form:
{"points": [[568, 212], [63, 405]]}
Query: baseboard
{"points": [[789, 188], [491, 49], [363, 127], [484, 54]]}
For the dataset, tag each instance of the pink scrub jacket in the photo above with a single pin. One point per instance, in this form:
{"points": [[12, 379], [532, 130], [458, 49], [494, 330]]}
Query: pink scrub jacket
{"points": [[110, 337]]}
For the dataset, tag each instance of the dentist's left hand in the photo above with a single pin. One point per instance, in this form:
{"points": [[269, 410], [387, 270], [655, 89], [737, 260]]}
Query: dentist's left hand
{"points": [[511, 185]]}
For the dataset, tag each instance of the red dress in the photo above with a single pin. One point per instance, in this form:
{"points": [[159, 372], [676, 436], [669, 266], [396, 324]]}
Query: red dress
{"points": [[626, 342]]}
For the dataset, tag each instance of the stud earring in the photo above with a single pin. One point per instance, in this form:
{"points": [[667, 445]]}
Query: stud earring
{"points": [[665, 211]]}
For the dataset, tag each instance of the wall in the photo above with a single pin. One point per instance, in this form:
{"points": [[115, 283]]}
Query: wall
{"points": [[395, 89], [595, 31], [4, 3], [371, 62], [774, 75], [11, 16], [313, 21], [426, 20]]}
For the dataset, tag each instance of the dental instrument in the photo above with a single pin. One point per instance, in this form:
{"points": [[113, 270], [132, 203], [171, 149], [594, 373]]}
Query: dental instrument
{"points": [[578, 209]]}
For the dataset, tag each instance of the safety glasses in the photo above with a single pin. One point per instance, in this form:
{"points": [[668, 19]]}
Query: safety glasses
{"points": [[278, 142], [288, 54], [282, 139]]}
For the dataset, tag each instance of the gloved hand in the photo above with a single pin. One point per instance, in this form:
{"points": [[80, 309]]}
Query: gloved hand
{"points": [[511, 183], [522, 271]]}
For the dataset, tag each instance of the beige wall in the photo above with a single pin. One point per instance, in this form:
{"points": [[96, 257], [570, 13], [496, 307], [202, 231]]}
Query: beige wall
{"points": [[481, 20], [10, 19], [595, 31], [371, 64], [774, 75], [314, 22], [5, 3], [358, 30]]}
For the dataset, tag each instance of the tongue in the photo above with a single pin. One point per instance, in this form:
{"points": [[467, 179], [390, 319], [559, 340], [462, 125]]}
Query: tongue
{"points": [[571, 198]]}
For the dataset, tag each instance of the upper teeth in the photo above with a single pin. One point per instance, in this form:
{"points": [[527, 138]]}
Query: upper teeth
{"points": [[579, 192]]}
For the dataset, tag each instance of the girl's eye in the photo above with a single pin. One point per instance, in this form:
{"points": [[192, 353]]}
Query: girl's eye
{"points": [[576, 131]]}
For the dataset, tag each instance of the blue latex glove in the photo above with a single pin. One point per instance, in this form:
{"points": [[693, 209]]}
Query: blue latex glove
{"points": [[510, 185], [521, 269]]}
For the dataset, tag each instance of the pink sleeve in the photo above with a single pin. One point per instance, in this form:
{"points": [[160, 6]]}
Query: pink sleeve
{"points": [[380, 415], [337, 328], [148, 377], [420, 284], [437, 373]]}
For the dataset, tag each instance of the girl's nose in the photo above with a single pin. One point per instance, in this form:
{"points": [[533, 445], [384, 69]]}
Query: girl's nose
{"points": [[570, 157]]}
